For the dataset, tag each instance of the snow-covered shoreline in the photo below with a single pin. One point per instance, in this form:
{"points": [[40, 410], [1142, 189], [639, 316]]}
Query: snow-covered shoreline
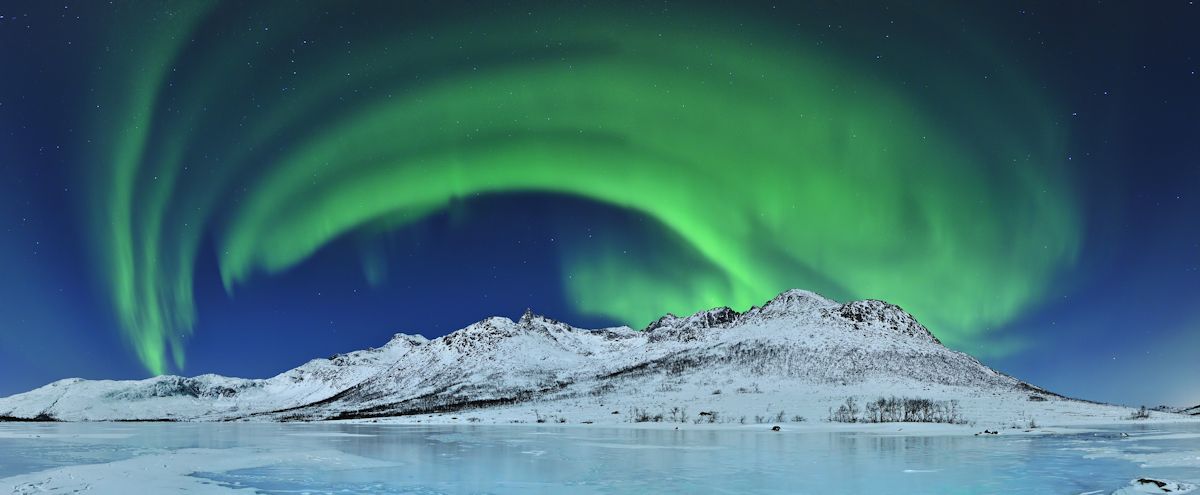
{"points": [[973, 428]]}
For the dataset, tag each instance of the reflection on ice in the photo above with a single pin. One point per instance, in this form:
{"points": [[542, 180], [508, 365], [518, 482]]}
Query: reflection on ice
{"points": [[344, 458]]}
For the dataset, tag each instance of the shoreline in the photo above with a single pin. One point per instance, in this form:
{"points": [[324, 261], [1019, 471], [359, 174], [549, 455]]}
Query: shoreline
{"points": [[786, 427]]}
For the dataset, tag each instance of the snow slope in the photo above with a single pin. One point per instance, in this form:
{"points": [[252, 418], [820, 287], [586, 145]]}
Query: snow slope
{"points": [[798, 355]]}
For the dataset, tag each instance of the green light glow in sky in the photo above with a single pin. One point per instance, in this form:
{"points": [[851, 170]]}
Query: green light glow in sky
{"points": [[774, 166]]}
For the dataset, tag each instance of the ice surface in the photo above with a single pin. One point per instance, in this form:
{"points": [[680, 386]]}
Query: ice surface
{"points": [[348, 458]]}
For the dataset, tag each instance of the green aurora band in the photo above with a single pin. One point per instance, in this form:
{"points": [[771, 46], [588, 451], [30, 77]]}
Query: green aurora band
{"points": [[772, 164]]}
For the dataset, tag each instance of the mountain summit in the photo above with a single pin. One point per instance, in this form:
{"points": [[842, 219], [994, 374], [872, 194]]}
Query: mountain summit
{"points": [[797, 355]]}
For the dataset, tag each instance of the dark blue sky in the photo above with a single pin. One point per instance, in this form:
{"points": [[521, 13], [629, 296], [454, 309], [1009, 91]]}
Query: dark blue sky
{"points": [[1120, 324]]}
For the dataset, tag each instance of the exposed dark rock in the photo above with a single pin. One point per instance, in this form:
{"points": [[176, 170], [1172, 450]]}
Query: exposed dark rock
{"points": [[40, 418], [1148, 481]]}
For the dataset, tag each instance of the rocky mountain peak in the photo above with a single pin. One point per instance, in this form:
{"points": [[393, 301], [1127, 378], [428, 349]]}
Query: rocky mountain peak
{"points": [[889, 315], [404, 339], [716, 317], [795, 301], [800, 304]]}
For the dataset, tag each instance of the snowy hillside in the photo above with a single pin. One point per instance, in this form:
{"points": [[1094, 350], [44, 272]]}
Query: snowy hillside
{"points": [[797, 356], [1193, 411]]}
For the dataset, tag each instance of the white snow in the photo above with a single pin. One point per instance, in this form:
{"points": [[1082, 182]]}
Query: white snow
{"points": [[788, 362]]}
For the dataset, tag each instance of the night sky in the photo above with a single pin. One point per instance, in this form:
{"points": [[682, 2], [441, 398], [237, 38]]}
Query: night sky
{"points": [[238, 187]]}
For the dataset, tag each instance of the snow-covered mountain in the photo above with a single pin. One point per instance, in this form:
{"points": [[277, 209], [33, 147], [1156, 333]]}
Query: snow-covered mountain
{"points": [[799, 354], [1193, 411]]}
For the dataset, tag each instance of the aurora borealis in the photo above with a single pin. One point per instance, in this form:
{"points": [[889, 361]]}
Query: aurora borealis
{"points": [[738, 152], [778, 168]]}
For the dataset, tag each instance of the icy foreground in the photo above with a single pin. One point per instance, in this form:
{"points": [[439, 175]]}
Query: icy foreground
{"points": [[794, 359], [344, 458]]}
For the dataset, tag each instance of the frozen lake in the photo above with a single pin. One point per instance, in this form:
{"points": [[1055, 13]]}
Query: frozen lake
{"points": [[345, 458]]}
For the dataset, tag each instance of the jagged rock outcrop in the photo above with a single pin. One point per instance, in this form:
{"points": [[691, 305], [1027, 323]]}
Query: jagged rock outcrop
{"points": [[799, 350]]}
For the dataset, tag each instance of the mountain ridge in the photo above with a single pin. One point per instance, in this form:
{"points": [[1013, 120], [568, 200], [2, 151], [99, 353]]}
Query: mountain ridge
{"points": [[809, 353]]}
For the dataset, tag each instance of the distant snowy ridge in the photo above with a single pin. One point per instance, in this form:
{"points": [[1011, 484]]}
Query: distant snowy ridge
{"points": [[1193, 411], [797, 356]]}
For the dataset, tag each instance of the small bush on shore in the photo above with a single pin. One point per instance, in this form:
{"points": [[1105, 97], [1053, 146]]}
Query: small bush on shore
{"points": [[898, 409], [1140, 414]]}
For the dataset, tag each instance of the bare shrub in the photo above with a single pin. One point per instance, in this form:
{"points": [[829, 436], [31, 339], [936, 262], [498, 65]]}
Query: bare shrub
{"points": [[898, 409], [752, 389], [1141, 413], [604, 389], [845, 413], [644, 416]]}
